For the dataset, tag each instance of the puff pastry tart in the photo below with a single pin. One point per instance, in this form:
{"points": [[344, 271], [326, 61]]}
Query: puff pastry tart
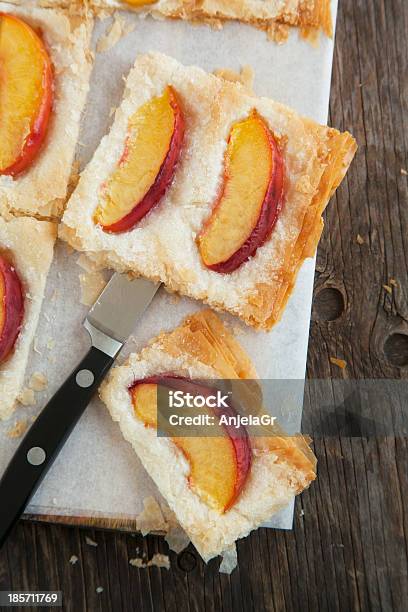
{"points": [[208, 189], [26, 250], [311, 15], [220, 487], [46, 65]]}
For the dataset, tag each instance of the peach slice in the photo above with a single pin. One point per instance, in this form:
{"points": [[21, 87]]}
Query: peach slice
{"points": [[147, 166], [220, 464], [26, 94], [11, 307], [139, 2], [251, 198]]}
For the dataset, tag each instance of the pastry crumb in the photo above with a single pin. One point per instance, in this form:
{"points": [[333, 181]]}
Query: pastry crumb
{"points": [[119, 28], [158, 560], [278, 33], [177, 539], [99, 589], [169, 517], [245, 76], [151, 518], [26, 397], [92, 284], [338, 362], [360, 239], [38, 382], [387, 288], [91, 542], [302, 513], [229, 560], [18, 429], [393, 282], [73, 559], [137, 562], [174, 298], [404, 172]]}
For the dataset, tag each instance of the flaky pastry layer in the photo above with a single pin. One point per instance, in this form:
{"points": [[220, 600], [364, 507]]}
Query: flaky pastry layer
{"points": [[311, 14], [274, 16], [42, 189], [29, 244], [163, 245], [202, 348]]}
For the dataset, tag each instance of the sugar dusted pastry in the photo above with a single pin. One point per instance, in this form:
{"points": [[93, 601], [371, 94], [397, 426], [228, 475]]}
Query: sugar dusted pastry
{"points": [[45, 57], [222, 202], [26, 250], [220, 487]]}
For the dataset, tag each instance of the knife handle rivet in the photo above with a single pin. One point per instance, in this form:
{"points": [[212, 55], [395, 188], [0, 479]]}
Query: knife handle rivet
{"points": [[84, 378], [36, 455]]}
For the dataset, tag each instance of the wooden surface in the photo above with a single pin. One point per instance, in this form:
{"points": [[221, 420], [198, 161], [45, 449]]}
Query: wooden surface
{"points": [[348, 549]]}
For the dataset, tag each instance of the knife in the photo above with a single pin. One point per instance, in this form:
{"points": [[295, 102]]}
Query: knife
{"points": [[109, 323]]}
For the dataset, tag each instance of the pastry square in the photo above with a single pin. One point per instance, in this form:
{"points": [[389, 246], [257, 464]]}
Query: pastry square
{"points": [[28, 245], [41, 189], [163, 245], [281, 466], [311, 14]]}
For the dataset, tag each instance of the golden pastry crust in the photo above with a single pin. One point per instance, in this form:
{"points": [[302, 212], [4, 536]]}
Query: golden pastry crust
{"points": [[203, 337], [264, 13], [42, 189], [312, 14], [341, 150], [30, 244], [281, 468], [162, 246]]}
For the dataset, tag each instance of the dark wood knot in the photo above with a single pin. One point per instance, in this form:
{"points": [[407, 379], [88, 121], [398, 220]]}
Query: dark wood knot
{"points": [[328, 304], [186, 561], [396, 349]]}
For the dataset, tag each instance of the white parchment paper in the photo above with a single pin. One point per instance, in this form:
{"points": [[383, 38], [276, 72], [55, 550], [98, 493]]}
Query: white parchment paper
{"points": [[97, 472]]}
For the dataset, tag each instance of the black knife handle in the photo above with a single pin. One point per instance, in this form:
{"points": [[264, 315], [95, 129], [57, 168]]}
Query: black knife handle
{"points": [[46, 436]]}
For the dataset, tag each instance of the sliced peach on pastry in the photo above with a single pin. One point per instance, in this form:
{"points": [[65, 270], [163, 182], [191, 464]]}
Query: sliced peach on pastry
{"points": [[139, 2], [251, 197], [147, 166], [26, 94], [220, 464], [11, 307]]}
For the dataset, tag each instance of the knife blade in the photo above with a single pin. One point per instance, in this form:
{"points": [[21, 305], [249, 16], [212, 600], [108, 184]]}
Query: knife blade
{"points": [[112, 318], [109, 322]]}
